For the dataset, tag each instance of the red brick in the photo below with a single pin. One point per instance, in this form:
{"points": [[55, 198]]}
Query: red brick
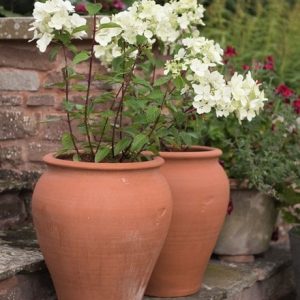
{"points": [[41, 100]]}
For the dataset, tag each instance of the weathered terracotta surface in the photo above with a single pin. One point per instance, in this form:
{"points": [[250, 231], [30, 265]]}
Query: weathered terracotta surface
{"points": [[101, 226], [249, 227], [200, 190]]}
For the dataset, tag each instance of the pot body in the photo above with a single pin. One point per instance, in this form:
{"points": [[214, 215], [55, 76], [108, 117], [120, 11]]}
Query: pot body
{"points": [[200, 190], [294, 235], [101, 227], [249, 227]]}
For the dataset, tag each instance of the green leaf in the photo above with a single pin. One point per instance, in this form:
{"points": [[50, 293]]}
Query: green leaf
{"points": [[162, 80], [101, 154], [8, 13], [141, 40], [93, 8], [72, 48], [76, 157], [117, 65], [290, 196], [186, 138], [179, 82], [149, 55], [109, 25], [152, 113], [80, 57], [59, 85], [67, 141], [68, 106], [65, 38], [79, 106], [121, 145], [156, 94], [141, 81], [138, 142], [80, 28], [107, 113], [79, 87], [53, 53], [106, 96]]}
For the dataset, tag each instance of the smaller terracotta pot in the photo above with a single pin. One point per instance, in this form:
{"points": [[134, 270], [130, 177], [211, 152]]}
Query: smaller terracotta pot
{"points": [[200, 190], [248, 228]]}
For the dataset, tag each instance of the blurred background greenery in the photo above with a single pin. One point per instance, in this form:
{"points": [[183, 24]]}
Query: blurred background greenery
{"points": [[255, 28]]}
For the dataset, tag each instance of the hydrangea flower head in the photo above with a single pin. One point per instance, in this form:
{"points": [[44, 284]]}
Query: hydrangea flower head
{"points": [[54, 15]]}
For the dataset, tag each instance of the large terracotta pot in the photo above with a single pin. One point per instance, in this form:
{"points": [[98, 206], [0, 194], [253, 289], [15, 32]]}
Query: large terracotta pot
{"points": [[200, 191], [248, 229], [101, 226]]}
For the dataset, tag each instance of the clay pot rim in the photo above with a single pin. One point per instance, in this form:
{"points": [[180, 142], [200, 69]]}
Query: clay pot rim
{"points": [[199, 152], [51, 160]]}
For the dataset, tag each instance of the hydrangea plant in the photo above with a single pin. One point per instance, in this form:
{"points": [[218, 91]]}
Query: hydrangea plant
{"points": [[162, 70], [263, 154]]}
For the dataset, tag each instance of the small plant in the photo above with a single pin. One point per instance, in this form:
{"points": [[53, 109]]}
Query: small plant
{"points": [[146, 111]]}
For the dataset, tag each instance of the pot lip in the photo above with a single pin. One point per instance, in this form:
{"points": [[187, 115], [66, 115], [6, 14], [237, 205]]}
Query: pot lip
{"points": [[201, 152], [51, 160]]}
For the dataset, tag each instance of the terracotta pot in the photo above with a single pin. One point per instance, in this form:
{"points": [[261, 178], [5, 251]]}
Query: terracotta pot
{"points": [[200, 191], [101, 226], [248, 229]]}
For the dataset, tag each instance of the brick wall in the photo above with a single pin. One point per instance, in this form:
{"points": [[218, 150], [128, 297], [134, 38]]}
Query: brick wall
{"points": [[25, 105]]}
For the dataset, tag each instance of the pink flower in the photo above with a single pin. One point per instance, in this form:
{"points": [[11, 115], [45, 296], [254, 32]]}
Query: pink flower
{"points": [[246, 67], [269, 63], [80, 8], [296, 105], [118, 4], [284, 91], [230, 52]]}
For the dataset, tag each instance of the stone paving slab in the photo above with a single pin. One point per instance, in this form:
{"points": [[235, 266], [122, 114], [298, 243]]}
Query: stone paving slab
{"points": [[248, 281], [268, 278]]}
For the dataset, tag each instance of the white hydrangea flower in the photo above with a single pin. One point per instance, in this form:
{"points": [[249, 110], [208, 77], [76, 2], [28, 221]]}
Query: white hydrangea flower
{"points": [[53, 16], [166, 23], [198, 67], [248, 100], [208, 49], [105, 35]]}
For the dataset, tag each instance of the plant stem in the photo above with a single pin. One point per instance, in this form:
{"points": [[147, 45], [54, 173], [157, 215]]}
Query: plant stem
{"points": [[88, 90], [160, 107], [121, 112], [167, 93], [66, 78], [124, 87], [153, 76], [106, 120]]}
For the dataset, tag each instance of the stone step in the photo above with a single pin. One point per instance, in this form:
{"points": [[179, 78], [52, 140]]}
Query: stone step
{"points": [[23, 274]]}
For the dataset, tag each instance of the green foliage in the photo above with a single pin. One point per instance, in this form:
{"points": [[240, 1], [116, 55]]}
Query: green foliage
{"points": [[258, 29], [15, 8]]}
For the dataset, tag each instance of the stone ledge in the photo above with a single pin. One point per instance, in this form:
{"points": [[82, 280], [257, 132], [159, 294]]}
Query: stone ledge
{"points": [[17, 180], [268, 278], [16, 28]]}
